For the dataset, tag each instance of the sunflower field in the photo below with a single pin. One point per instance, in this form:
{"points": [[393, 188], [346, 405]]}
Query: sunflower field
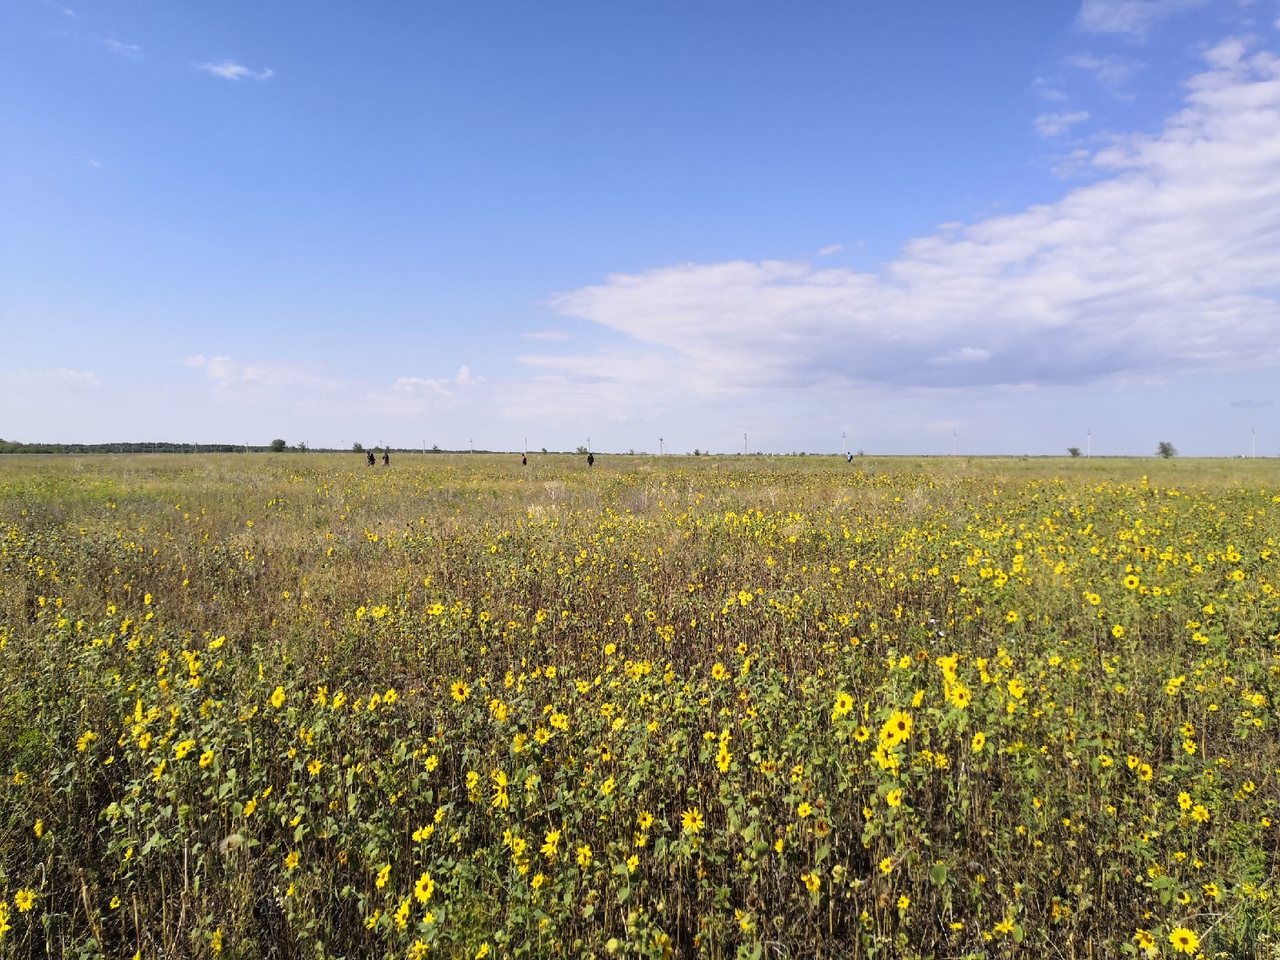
{"points": [[293, 706]]}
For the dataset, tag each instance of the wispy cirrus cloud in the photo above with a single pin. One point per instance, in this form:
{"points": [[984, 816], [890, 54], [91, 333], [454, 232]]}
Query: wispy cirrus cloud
{"points": [[1251, 404], [55, 377], [964, 355], [1165, 265], [1130, 17], [271, 383], [548, 335], [410, 395], [123, 49], [227, 372], [1055, 124], [1112, 73], [1049, 89], [66, 11], [230, 70]]}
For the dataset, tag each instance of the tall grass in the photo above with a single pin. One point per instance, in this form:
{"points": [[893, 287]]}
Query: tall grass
{"points": [[293, 706]]}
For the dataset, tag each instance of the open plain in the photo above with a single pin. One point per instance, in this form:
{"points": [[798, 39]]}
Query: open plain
{"points": [[293, 706]]}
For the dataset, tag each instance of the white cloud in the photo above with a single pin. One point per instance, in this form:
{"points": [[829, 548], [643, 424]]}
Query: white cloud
{"points": [[268, 383], [1048, 89], [1072, 164], [829, 249], [1053, 124], [1131, 17], [124, 49], [409, 395], [1164, 266], [230, 70], [227, 373], [320, 401], [548, 335]]}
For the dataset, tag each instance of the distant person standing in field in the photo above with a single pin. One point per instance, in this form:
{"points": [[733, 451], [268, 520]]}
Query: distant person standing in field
{"points": [[524, 460], [386, 458], [370, 455], [591, 459]]}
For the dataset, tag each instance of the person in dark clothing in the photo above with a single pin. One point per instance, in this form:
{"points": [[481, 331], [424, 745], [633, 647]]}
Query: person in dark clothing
{"points": [[386, 458], [591, 459], [370, 455], [524, 460]]}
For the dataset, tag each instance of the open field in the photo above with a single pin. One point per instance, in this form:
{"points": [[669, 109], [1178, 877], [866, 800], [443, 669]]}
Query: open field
{"points": [[292, 706]]}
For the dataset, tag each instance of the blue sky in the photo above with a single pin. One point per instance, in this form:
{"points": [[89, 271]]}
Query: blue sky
{"points": [[905, 227]]}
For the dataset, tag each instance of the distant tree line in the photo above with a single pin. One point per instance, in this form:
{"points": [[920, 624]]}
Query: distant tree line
{"points": [[277, 445], [149, 446]]}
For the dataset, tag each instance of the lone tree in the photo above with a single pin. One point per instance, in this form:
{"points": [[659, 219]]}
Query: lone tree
{"points": [[357, 447], [1074, 451], [278, 445], [1166, 449]]}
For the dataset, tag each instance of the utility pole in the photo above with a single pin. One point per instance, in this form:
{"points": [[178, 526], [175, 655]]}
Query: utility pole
{"points": [[1088, 447], [1253, 453], [472, 442], [659, 446], [588, 444], [842, 444], [955, 444], [744, 444]]}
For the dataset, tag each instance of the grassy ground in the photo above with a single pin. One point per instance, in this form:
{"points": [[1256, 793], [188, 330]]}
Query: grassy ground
{"points": [[290, 705]]}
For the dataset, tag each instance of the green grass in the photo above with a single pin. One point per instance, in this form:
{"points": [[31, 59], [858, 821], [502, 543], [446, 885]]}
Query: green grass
{"points": [[682, 669]]}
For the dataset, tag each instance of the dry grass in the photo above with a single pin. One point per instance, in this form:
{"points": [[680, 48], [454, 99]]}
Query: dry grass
{"points": [[290, 705]]}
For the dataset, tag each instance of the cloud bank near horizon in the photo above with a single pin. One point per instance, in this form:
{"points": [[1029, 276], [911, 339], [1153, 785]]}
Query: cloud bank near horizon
{"points": [[1163, 265], [1159, 263]]}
